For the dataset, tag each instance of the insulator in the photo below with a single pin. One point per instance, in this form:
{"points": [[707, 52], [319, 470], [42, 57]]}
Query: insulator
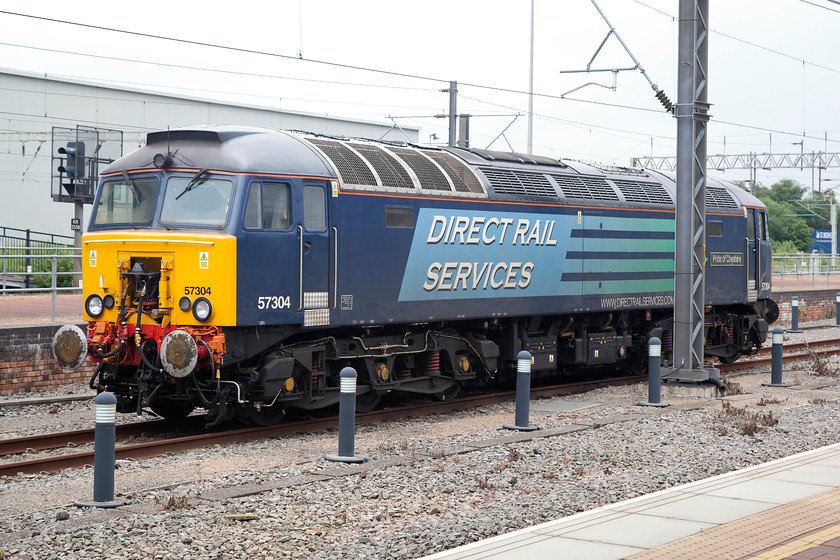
{"points": [[663, 98]]}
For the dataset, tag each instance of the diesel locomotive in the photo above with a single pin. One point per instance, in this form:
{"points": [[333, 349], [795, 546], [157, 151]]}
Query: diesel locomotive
{"points": [[240, 269]]}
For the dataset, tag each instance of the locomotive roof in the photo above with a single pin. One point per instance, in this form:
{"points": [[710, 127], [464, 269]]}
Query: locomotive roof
{"points": [[402, 168], [229, 148]]}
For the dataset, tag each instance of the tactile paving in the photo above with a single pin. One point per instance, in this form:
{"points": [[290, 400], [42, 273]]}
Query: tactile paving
{"points": [[757, 537]]}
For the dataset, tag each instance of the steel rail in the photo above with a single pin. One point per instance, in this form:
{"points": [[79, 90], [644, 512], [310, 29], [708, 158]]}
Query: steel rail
{"points": [[174, 445]]}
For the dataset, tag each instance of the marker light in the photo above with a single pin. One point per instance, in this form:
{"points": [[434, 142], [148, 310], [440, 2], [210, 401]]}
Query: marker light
{"points": [[184, 304], [162, 161], [108, 301]]}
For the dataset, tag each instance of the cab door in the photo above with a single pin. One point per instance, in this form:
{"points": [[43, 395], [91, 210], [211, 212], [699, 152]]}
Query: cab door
{"points": [[752, 255], [314, 255], [765, 255]]}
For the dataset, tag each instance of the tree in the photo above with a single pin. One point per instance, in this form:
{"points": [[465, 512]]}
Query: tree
{"points": [[790, 218], [786, 226]]}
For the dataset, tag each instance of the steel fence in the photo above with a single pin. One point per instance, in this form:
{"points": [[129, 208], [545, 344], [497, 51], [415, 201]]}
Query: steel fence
{"points": [[806, 271], [39, 269]]}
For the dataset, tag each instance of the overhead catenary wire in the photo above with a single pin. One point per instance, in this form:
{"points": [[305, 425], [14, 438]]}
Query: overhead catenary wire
{"points": [[379, 71]]}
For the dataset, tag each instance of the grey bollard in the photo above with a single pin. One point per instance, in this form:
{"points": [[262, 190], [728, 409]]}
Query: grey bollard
{"points": [[523, 393], [104, 453], [837, 309], [347, 419], [654, 373], [776, 360], [794, 315]]}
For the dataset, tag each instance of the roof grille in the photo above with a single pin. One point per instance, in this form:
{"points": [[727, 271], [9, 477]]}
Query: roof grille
{"points": [[462, 177], [506, 181], [352, 168], [719, 198], [594, 188], [390, 171], [650, 193], [431, 177]]}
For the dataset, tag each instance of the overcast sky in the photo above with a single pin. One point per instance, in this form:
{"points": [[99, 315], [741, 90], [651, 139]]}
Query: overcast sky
{"points": [[774, 75]]}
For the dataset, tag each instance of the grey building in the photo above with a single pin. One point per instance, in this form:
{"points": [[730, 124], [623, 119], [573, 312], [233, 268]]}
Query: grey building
{"points": [[32, 105]]}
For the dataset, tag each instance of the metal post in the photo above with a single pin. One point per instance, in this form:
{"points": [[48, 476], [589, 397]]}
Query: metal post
{"points": [[464, 131], [776, 360], [837, 309], [794, 315], [77, 243], [692, 117], [26, 264], [654, 373], [104, 453], [523, 393], [453, 122], [346, 419], [530, 145], [54, 283]]}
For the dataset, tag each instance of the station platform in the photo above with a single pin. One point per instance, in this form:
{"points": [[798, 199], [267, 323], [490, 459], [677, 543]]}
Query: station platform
{"points": [[787, 508]]}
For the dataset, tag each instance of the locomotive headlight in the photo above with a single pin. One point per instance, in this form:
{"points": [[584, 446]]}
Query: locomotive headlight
{"points": [[94, 305], [202, 309]]}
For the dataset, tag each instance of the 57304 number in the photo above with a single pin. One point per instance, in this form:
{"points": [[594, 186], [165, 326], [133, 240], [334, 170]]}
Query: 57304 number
{"points": [[197, 291], [273, 302]]}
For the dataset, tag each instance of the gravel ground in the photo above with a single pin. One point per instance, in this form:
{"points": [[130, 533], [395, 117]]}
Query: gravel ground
{"points": [[430, 484]]}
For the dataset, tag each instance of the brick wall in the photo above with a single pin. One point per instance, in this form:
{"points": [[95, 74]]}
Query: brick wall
{"points": [[27, 362], [814, 305]]}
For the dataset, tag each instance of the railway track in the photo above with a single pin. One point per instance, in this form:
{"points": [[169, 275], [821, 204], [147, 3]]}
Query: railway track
{"points": [[178, 443], [183, 443]]}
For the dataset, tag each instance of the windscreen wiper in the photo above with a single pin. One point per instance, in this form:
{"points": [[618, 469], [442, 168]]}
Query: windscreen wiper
{"points": [[131, 186], [194, 182]]}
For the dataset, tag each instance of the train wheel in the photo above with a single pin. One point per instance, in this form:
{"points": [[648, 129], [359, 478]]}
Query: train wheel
{"points": [[367, 401], [171, 410], [449, 393], [730, 358], [265, 416]]}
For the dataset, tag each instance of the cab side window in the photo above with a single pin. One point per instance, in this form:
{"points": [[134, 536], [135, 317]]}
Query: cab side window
{"points": [[268, 206], [253, 210], [750, 224], [763, 228], [314, 208]]}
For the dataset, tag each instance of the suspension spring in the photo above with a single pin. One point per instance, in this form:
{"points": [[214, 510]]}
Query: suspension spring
{"points": [[432, 364]]}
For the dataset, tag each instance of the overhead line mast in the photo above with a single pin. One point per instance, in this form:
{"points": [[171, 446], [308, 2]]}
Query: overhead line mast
{"points": [[692, 119]]}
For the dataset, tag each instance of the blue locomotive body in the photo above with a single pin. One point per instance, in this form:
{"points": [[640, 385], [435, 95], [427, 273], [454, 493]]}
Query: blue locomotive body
{"points": [[426, 269]]}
